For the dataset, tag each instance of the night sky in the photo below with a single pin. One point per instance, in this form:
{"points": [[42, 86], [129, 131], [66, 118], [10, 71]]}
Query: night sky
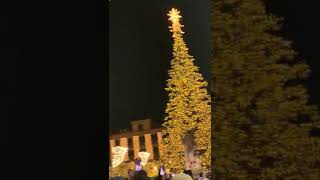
{"points": [[140, 50], [140, 47], [300, 25]]}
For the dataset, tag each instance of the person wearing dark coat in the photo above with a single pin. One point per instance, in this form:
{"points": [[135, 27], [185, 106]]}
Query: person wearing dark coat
{"points": [[141, 175]]}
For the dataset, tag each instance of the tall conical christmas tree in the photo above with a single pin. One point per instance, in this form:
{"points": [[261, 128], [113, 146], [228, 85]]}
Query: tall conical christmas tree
{"points": [[189, 106], [262, 115]]}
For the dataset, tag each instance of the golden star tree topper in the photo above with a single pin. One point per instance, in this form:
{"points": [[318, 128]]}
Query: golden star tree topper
{"points": [[174, 17]]}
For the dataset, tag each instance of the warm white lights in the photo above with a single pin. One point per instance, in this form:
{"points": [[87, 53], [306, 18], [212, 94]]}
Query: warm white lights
{"points": [[144, 156], [118, 155], [175, 17]]}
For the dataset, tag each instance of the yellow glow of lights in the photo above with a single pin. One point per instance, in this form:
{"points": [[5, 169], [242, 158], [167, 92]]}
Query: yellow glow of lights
{"points": [[118, 155], [144, 156], [174, 17]]}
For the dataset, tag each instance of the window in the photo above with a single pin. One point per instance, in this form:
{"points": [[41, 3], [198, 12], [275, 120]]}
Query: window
{"points": [[156, 152], [140, 127], [154, 140], [130, 143], [117, 142], [130, 149], [142, 144], [131, 155]]}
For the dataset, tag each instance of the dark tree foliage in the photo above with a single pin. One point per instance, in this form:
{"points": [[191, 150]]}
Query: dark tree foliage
{"points": [[262, 119]]}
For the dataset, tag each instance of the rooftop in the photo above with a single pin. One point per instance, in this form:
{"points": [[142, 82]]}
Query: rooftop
{"points": [[138, 127]]}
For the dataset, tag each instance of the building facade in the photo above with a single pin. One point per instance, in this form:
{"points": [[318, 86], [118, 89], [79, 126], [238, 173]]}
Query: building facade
{"points": [[142, 137]]}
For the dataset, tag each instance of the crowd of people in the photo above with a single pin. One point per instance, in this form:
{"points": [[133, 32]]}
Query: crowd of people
{"points": [[143, 175], [139, 174]]}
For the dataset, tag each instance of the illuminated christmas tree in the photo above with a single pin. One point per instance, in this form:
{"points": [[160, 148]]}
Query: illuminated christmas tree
{"points": [[188, 109], [262, 114]]}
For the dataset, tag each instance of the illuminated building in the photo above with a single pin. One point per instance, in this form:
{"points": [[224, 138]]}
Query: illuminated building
{"points": [[143, 137]]}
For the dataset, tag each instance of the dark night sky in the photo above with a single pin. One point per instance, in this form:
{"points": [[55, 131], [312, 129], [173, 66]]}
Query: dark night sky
{"points": [[300, 25], [140, 52]]}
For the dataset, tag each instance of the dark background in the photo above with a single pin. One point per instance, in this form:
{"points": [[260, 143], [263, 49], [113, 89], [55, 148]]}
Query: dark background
{"points": [[53, 86], [301, 26], [140, 52]]}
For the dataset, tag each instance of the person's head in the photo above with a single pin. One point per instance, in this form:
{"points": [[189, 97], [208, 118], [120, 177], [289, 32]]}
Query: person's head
{"points": [[162, 171], [137, 162], [182, 176], [140, 175]]}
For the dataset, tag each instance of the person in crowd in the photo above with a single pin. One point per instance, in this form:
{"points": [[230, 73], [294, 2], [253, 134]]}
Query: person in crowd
{"points": [[188, 172], [118, 178], [200, 176], [130, 174], [137, 165], [208, 175], [140, 175], [181, 176], [196, 168], [162, 173]]}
